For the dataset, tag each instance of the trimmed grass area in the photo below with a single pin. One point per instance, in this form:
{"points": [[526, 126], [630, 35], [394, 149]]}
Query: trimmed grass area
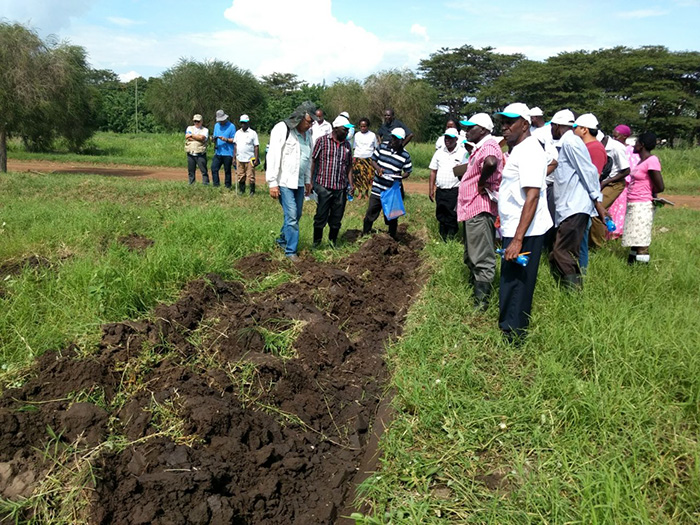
{"points": [[594, 420]]}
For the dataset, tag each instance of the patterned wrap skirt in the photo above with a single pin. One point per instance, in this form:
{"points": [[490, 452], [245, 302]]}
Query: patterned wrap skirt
{"points": [[362, 174], [638, 222]]}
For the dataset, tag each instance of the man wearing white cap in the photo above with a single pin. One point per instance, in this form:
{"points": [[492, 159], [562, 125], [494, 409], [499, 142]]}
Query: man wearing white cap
{"points": [[391, 163], [576, 197], [477, 207], [537, 119], [443, 185], [196, 137], [331, 164], [247, 150], [224, 131], [522, 209]]}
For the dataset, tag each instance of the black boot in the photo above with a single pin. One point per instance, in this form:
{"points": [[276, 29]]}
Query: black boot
{"points": [[572, 282], [482, 292], [443, 231], [632, 257], [333, 236], [393, 228], [252, 189], [241, 187], [366, 227], [318, 237]]}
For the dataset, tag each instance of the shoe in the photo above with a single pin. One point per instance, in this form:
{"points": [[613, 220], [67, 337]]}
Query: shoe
{"points": [[318, 237], [241, 188], [482, 293], [572, 282], [294, 258], [252, 189], [333, 237]]}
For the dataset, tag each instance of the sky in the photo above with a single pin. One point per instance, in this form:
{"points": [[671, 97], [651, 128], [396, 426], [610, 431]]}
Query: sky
{"points": [[323, 40]]}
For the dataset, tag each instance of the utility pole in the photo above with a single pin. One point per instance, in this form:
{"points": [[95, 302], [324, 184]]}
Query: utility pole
{"points": [[136, 88]]}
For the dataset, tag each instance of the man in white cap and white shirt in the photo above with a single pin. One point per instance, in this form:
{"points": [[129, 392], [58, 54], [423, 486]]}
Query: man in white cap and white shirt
{"points": [[522, 209], [331, 164], [391, 163], [247, 151], [477, 206], [443, 185], [577, 196], [536, 118]]}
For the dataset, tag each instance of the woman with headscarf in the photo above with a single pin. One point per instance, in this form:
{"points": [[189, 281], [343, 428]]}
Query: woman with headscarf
{"points": [[645, 183]]}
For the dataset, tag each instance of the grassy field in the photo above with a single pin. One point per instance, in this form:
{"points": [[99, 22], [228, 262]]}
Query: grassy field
{"points": [[594, 420], [166, 149]]}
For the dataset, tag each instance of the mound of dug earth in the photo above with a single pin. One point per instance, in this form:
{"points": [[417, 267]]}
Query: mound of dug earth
{"points": [[225, 407]]}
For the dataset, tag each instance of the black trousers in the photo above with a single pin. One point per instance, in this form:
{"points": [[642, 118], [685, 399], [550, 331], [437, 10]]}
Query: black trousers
{"points": [[330, 208], [563, 259], [374, 208], [517, 288], [551, 233], [216, 164], [446, 212], [194, 162]]}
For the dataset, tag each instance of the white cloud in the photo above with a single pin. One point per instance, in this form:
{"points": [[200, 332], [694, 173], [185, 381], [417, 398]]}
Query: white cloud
{"points": [[417, 29], [46, 17], [642, 13], [128, 77], [124, 22]]}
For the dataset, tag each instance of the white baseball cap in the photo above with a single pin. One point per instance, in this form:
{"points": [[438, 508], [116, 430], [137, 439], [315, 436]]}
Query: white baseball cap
{"points": [[399, 133], [536, 112], [479, 119], [244, 118], [451, 132], [587, 120], [342, 122], [564, 117], [515, 110]]}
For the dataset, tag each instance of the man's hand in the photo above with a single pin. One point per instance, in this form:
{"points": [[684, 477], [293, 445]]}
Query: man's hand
{"points": [[307, 189], [481, 188], [513, 249], [431, 193], [275, 192]]}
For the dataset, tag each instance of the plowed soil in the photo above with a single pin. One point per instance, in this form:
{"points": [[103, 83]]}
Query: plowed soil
{"points": [[225, 407]]}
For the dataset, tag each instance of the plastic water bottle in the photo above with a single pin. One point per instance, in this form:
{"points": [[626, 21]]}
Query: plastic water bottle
{"points": [[610, 225], [350, 197], [522, 260]]}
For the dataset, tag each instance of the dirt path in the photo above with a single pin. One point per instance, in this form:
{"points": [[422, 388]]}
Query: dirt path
{"points": [[165, 173]]}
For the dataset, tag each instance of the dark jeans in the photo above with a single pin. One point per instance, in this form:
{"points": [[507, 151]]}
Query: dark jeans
{"points": [[564, 257], [216, 163], [330, 208], [446, 212], [374, 208], [518, 287], [194, 161]]}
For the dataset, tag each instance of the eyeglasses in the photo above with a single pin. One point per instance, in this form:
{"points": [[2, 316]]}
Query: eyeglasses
{"points": [[508, 122], [196, 121]]}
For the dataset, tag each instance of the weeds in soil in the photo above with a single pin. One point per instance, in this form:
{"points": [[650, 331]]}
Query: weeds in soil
{"points": [[168, 422], [279, 336]]}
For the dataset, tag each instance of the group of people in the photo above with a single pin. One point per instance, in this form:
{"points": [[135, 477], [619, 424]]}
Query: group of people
{"points": [[229, 144], [551, 187]]}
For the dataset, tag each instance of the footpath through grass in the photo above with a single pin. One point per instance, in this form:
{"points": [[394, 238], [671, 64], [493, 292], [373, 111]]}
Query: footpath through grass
{"points": [[594, 420], [679, 166]]}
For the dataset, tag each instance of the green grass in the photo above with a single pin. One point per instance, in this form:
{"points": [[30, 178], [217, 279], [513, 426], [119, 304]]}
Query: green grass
{"points": [[594, 420], [679, 166]]}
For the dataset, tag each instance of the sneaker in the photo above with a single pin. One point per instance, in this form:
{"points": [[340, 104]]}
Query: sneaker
{"points": [[293, 258]]}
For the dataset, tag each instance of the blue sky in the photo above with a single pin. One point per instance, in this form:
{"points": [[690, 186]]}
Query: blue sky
{"points": [[327, 39]]}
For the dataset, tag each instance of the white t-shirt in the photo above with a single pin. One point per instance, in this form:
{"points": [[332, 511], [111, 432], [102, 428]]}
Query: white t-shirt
{"points": [[365, 144], [526, 167], [319, 130], [245, 142], [618, 153], [443, 161]]}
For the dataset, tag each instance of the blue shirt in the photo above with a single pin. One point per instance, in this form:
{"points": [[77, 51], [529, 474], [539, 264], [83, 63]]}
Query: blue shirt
{"points": [[576, 183], [228, 130]]}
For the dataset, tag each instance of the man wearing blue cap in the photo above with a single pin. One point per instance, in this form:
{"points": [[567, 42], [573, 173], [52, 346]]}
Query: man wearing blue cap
{"points": [[522, 209], [331, 164]]}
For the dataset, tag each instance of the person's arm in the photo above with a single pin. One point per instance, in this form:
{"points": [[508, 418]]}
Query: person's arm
{"points": [[407, 139], [256, 152], [431, 185], [657, 181], [488, 169], [532, 197], [610, 180], [585, 169], [552, 166], [377, 167]]}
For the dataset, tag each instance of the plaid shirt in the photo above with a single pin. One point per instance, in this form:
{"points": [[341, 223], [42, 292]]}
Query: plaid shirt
{"points": [[333, 160]]}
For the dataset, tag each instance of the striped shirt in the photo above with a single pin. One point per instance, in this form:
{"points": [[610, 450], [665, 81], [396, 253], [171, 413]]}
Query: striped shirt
{"points": [[392, 163], [470, 202], [333, 160]]}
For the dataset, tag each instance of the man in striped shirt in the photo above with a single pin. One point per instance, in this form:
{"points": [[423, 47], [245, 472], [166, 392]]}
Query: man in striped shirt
{"points": [[477, 207], [391, 163], [331, 161]]}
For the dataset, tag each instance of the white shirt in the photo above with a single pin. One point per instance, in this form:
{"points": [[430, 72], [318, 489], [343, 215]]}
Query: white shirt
{"points": [[526, 167], [319, 130], [365, 144], [618, 153], [443, 161], [544, 135], [194, 130], [284, 159], [245, 142]]}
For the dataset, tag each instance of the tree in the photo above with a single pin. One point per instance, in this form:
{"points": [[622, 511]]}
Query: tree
{"points": [[203, 87], [44, 90], [283, 93], [346, 95]]}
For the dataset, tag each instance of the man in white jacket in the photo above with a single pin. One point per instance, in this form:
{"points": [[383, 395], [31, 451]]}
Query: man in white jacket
{"points": [[288, 172]]}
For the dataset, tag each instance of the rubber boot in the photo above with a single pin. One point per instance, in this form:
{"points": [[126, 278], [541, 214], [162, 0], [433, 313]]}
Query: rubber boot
{"points": [[318, 237], [482, 291], [642, 258], [333, 236], [632, 257], [366, 227], [252, 189], [443, 231], [241, 187], [393, 228], [572, 282]]}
